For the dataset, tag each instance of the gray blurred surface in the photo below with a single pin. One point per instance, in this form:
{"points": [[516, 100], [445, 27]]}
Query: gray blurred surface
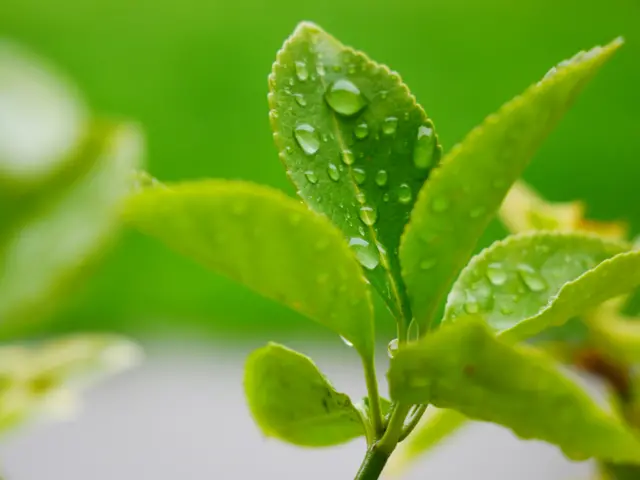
{"points": [[181, 415]]}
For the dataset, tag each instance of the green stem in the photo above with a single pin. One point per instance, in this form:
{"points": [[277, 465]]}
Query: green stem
{"points": [[374, 397], [413, 423], [373, 464]]}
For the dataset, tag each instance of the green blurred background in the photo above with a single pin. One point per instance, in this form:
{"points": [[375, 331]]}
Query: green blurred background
{"points": [[193, 73]]}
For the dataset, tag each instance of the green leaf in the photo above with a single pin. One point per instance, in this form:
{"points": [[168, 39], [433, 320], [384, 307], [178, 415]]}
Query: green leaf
{"points": [[50, 237], [510, 283], [43, 378], [290, 399], [356, 145], [267, 241], [462, 366], [464, 193]]}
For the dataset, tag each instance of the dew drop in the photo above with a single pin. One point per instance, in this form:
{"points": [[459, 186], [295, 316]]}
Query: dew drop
{"points": [[359, 175], [496, 274], [334, 173], [439, 204], [360, 197], [390, 125], [404, 193], [392, 348], [506, 310], [361, 131], [320, 69], [301, 71], [365, 253], [532, 279], [307, 138], [471, 306], [385, 197], [424, 150], [346, 342], [311, 177], [368, 215], [351, 69], [300, 100], [428, 263], [381, 178], [345, 98], [347, 157], [383, 94]]}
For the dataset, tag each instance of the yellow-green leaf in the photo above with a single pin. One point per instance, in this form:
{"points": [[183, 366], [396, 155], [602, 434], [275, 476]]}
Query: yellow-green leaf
{"points": [[290, 399]]}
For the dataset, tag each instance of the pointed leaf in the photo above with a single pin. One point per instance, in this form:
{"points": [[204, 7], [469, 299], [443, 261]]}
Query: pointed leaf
{"points": [[510, 283], [464, 367], [267, 241], [59, 234], [290, 399], [356, 144], [464, 193]]}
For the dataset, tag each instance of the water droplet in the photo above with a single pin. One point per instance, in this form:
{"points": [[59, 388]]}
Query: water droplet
{"points": [[506, 310], [404, 193], [300, 99], [381, 178], [413, 332], [361, 131], [347, 157], [383, 94], [359, 175], [351, 69], [390, 125], [311, 177], [334, 173], [320, 69], [365, 253], [428, 263], [496, 274], [439, 204], [301, 71], [471, 306], [424, 149], [346, 342], [307, 138], [392, 348], [385, 197], [345, 98], [476, 212], [360, 197], [368, 215], [532, 279]]}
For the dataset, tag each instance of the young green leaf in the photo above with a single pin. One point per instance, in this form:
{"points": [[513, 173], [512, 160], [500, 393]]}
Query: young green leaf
{"points": [[510, 283], [290, 399], [59, 234], [463, 194], [356, 145], [266, 241], [616, 334], [462, 366]]}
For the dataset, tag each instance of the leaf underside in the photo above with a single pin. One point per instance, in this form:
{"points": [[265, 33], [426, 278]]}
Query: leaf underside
{"points": [[290, 399], [462, 366], [464, 193], [266, 241], [357, 159]]}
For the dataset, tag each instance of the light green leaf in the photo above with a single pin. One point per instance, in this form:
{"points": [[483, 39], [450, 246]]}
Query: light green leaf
{"points": [[268, 242], [464, 193], [290, 399], [356, 145], [47, 241], [42, 379], [516, 283], [462, 366]]}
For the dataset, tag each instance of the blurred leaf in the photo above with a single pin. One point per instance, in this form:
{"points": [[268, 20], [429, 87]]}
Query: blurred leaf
{"points": [[48, 242], [464, 193], [617, 335], [365, 407], [620, 472], [268, 242], [290, 399], [463, 366], [357, 146], [510, 283], [41, 379]]}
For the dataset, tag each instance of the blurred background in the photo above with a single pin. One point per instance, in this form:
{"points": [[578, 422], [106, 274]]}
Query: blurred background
{"points": [[193, 74]]}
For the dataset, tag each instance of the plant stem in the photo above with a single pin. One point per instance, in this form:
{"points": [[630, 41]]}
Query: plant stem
{"points": [[373, 464], [374, 397], [413, 423]]}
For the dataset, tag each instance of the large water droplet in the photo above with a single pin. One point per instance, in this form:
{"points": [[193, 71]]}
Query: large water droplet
{"points": [[361, 131], [390, 125], [345, 98], [346, 342], [404, 193], [347, 157], [368, 215], [320, 69], [307, 138], [532, 279], [365, 253], [300, 100], [392, 348], [359, 175], [381, 178], [301, 71], [424, 149], [439, 204], [361, 197], [334, 173], [311, 176], [496, 274]]}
